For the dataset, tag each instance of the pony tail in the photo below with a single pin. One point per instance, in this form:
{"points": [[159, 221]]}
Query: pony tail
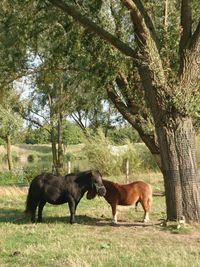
{"points": [[33, 196], [29, 202]]}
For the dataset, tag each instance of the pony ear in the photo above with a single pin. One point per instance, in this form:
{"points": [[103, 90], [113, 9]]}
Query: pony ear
{"points": [[91, 194], [95, 172]]}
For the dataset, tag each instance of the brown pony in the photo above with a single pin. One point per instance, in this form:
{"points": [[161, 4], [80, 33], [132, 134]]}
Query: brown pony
{"points": [[126, 194]]}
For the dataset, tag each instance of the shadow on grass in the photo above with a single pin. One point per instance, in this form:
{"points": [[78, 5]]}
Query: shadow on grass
{"points": [[19, 217]]}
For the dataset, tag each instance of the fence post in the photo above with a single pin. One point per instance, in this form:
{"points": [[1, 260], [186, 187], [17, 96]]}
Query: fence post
{"points": [[68, 166], [127, 170]]}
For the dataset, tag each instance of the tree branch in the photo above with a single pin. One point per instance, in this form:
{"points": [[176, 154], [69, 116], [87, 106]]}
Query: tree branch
{"points": [[147, 45], [77, 119], [195, 39], [123, 84], [137, 122], [148, 21], [186, 30], [89, 24], [137, 22], [191, 66]]}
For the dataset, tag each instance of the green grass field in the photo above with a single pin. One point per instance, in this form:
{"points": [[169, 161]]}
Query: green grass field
{"points": [[93, 241]]}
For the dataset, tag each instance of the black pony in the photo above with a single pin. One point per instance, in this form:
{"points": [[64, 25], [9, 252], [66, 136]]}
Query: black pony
{"points": [[56, 190]]}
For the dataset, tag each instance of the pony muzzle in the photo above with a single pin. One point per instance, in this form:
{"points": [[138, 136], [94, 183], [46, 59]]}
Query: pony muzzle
{"points": [[101, 190]]}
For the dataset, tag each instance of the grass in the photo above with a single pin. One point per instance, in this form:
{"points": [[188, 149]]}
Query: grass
{"points": [[93, 241]]}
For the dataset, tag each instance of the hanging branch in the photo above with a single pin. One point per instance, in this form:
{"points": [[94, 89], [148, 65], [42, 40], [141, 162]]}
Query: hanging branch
{"points": [[136, 120], [191, 67], [90, 25], [147, 19]]}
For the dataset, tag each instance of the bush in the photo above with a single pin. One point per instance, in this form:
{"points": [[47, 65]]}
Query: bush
{"points": [[30, 172], [111, 160], [22, 176], [15, 177], [15, 157], [131, 154], [72, 134], [45, 157], [69, 156], [119, 136], [147, 160], [98, 151], [32, 157]]}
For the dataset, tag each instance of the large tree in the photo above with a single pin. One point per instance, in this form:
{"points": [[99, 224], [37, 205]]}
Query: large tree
{"points": [[170, 82]]}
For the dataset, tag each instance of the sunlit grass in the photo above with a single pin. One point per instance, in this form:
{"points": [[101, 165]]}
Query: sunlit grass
{"points": [[93, 241]]}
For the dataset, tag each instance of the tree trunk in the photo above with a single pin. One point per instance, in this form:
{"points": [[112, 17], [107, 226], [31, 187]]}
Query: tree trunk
{"points": [[9, 157], [60, 164], [53, 148], [177, 147]]}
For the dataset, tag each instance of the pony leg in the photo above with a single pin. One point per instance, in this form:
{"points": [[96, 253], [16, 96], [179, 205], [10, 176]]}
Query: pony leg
{"points": [[72, 208], [114, 213], [33, 211], [146, 217], [146, 208], [40, 208], [136, 205]]}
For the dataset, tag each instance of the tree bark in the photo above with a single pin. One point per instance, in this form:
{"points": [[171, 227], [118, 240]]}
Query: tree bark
{"points": [[177, 147]]}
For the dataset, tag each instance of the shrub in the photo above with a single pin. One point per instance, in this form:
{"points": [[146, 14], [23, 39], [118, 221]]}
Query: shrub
{"points": [[70, 156], [119, 136], [35, 157], [111, 160], [100, 155], [15, 177], [131, 154], [146, 158], [32, 157], [30, 172], [15, 157], [45, 157]]}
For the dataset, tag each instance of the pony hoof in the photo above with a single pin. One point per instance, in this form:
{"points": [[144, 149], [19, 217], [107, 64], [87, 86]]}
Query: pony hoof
{"points": [[145, 221]]}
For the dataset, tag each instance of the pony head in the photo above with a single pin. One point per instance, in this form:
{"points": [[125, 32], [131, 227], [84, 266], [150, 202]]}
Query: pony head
{"points": [[97, 185]]}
